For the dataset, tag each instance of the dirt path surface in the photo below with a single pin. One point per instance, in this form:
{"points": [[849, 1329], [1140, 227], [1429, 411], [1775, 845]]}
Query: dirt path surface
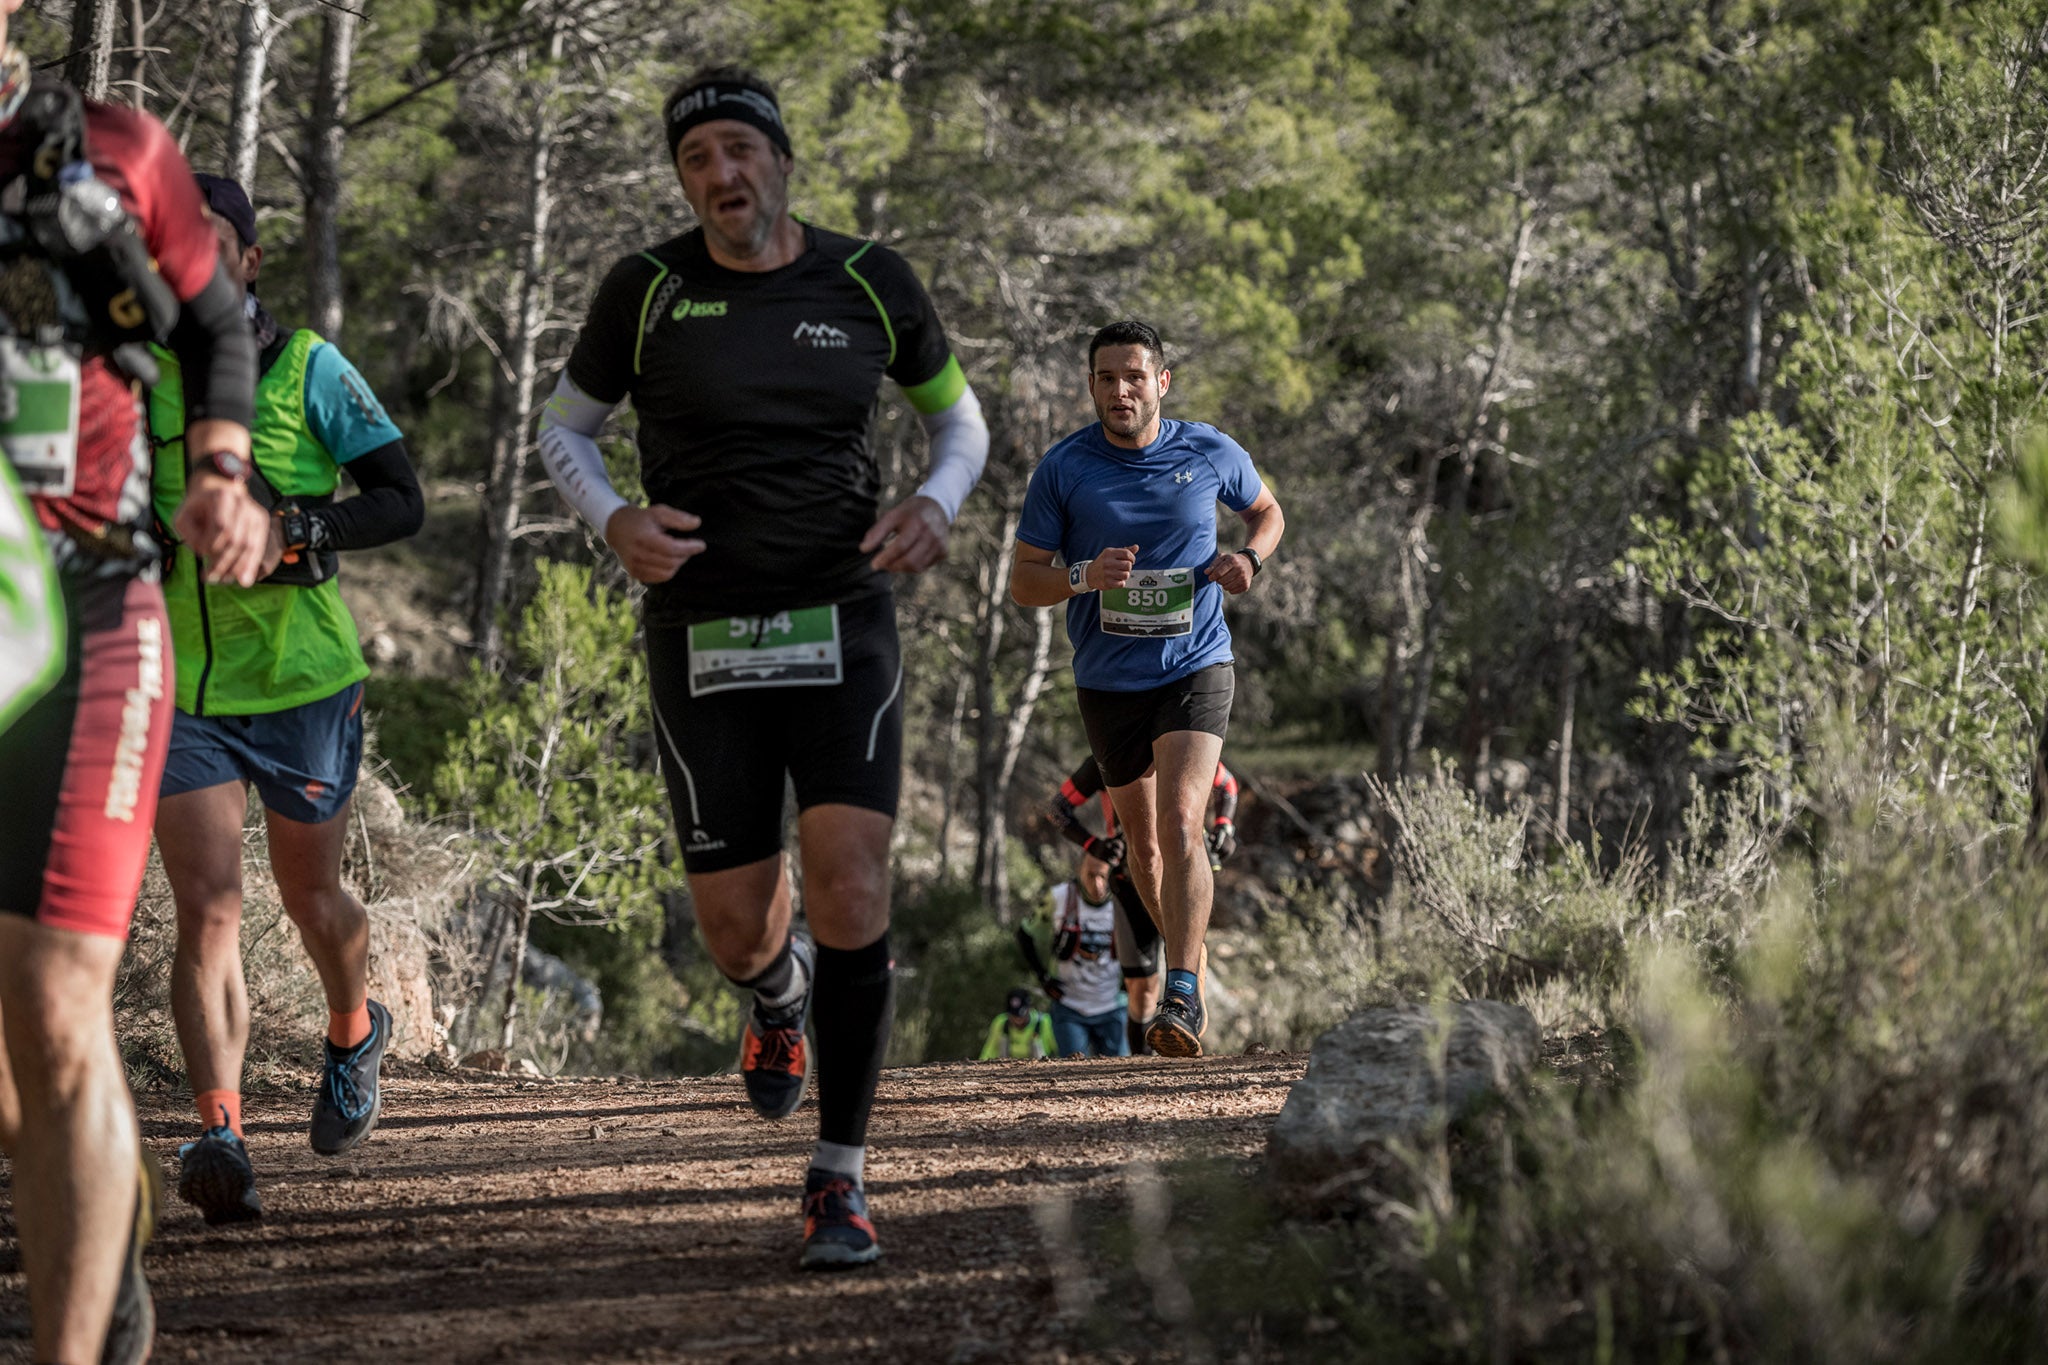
{"points": [[493, 1219]]}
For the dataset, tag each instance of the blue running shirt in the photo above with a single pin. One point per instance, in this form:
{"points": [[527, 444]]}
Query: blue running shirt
{"points": [[344, 416], [1088, 495]]}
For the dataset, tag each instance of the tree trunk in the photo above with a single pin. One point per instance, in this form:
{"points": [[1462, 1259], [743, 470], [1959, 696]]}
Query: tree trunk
{"points": [[992, 621], [1567, 714], [245, 110], [138, 53], [522, 927], [1436, 588], [325, 135], [511, 433], [946, 801], [90, 63], [1015, 730]]}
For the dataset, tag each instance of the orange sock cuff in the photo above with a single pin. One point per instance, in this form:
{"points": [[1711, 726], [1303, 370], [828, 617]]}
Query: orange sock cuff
{"points": [[348, 1029], [220, 1108]]}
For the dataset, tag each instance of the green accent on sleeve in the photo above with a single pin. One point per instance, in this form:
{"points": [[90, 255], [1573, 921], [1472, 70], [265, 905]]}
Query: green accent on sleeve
{"points": [[939, 392], [875, 299], [640, 334]]}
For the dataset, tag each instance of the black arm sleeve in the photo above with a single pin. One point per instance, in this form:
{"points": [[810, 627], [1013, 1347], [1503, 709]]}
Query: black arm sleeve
{"points": [[1226, 795], [1073, 794], [217, 352], [1028, 946], [388, 507]]}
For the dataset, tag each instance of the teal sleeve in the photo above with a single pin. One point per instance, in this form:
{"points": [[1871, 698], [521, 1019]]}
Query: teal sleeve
{"points": [[342, 412]]}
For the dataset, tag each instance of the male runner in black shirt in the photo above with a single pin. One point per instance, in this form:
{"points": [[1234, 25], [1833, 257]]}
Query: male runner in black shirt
{"points": [[753, 348]]}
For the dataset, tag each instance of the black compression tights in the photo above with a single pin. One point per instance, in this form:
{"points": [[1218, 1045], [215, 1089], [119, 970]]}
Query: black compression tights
{"points": [[850, 1011]]}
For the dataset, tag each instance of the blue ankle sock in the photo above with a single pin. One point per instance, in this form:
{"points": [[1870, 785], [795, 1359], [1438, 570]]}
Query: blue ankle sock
{"points": [[1182, 983]]}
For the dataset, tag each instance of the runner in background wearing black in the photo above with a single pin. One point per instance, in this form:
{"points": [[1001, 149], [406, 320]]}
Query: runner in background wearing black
{"points": [[753, 348], [1129, 503], [1137, 937], [106, 221]]}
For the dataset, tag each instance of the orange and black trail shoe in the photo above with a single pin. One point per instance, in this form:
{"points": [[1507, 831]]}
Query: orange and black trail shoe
{"points": [[837, 1233], [775, 1060]]}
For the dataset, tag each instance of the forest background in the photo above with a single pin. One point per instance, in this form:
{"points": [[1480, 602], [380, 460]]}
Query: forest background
{"points": [[1652, 388]]}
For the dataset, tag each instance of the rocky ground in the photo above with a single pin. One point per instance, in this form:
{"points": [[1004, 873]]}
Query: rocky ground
{"points": [[495, 1219]]}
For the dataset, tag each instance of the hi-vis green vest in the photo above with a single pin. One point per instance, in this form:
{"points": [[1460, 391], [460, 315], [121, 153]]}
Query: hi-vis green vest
{"points": [[250, 651]]}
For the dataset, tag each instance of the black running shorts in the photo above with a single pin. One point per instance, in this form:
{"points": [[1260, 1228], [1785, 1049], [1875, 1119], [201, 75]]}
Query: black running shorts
{"points": [[1122, 725], [725, 754]]}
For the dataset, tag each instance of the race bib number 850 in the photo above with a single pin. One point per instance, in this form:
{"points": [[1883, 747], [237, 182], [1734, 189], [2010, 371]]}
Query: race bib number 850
{"points": [[1155, 603]]}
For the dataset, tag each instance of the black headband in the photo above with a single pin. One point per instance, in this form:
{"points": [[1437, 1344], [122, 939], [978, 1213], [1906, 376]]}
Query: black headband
{"points": [[713, 100]]}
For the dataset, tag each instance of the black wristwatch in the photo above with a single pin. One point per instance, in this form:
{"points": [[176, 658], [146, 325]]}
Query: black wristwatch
{"points": [[1253, 555], [225, 463], [294, 527]]}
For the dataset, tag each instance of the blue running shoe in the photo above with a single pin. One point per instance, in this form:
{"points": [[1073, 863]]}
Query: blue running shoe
{"points": [[346, 1106], [215, 1176], [837, 1233]]}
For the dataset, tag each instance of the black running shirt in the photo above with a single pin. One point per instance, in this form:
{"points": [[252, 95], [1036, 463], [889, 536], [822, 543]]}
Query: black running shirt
{"points": [[756, 393]]}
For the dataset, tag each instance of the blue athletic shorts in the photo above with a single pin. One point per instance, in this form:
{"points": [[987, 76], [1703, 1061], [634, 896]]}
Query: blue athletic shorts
{"points": [[302, 760]]}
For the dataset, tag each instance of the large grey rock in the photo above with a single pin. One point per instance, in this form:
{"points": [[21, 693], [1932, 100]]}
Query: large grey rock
{"points": [[1397, 1075]]}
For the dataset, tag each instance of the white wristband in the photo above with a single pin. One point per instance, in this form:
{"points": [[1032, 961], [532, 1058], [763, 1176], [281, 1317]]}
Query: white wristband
{"points": [[1077, 576]]}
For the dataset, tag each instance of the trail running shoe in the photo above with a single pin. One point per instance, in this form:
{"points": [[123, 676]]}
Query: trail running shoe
{"points": [[215, 1176], [774, 1059], [346, 1106], [132, 1330], [1176, 1031], [837, 1233]]}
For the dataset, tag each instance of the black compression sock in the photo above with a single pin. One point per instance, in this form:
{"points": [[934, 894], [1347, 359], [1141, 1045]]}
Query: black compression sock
{"points": [[850, 1007], [1135, 1031]]}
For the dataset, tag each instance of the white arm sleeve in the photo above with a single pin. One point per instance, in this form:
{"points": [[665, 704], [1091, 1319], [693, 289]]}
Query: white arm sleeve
{"points": [[569, 424], [959, 440]]}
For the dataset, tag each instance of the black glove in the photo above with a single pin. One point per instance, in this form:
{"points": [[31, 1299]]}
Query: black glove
{"points": [[1054, 989], [1108, 849], [1222, 841]]}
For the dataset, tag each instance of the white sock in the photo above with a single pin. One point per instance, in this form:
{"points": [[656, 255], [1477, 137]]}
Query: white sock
{"points": [[799, 979], [840, 1159]]}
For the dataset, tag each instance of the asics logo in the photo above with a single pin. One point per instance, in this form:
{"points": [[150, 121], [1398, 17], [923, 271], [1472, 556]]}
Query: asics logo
{"points": [[688, 308], [822, 335], [702, 841]]}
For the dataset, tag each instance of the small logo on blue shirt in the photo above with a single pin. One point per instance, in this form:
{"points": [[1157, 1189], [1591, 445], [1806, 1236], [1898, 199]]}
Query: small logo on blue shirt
{"points": [[1185, 476]]}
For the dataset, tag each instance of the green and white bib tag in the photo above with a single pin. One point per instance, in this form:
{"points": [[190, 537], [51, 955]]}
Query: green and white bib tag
{"points": [[789, 649], [39, 415], [1154, 604]]}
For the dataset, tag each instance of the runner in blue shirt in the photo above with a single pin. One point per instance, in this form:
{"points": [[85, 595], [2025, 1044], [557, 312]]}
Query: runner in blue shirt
{"points": [[1129, 505]]}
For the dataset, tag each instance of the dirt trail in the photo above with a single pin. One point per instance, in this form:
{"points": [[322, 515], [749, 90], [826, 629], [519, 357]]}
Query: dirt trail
{"points": [[492, 1219]]}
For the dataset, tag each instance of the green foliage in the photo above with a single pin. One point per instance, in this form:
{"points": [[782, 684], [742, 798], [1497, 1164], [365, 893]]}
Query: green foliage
{"points": [[553, 778], [1798, 1123], [954, 963]]}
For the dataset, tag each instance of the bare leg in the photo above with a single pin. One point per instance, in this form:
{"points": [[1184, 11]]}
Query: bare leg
{"points": [[199, 836], [332, 923], [743, 914], [72, 1129], [1162, 818], [1144, 994], [846, 874]]}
